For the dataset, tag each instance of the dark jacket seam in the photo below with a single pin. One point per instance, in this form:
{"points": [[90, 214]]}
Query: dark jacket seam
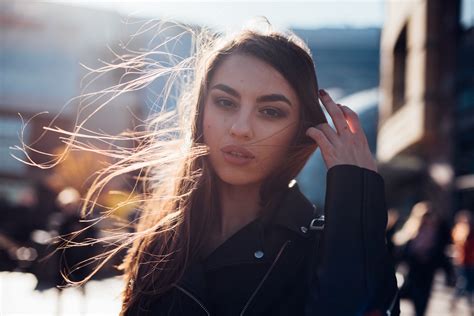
{"points": [[264, 277], [217, 267], [194, 298], [364, 229]]}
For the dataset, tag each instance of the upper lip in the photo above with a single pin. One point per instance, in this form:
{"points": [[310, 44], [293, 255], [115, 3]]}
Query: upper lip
{"points": [[234, 148]]}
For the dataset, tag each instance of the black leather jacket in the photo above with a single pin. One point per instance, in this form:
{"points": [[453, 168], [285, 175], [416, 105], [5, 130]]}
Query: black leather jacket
{"points": [[299, 263]]}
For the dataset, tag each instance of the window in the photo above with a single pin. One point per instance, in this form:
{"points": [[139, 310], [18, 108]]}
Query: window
{"points": [[400, 55]]}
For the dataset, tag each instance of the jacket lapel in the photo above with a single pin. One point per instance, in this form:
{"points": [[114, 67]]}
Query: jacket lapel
{"points": [[294, 214], [194, 282]]}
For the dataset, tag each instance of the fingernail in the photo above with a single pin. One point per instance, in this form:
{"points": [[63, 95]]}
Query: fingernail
{"points": [[322, 92]]}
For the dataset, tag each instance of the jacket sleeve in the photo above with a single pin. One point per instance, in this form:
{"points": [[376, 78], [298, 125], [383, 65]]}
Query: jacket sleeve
{"points": [[356, 274]]}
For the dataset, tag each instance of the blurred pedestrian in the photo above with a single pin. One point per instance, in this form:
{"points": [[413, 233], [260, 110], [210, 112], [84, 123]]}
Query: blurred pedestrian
{"points": [[463, 238], [423, 241]]}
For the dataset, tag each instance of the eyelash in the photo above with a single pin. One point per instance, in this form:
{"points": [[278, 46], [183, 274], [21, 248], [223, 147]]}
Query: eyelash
{"points": [[218, 102], [278, 113]]}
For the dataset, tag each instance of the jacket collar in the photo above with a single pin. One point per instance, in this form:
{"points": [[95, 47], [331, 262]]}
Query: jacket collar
{"points": [[295, 212]]}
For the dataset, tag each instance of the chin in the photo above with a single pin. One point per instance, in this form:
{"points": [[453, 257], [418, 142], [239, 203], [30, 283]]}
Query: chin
{"points": [[237, 178]]}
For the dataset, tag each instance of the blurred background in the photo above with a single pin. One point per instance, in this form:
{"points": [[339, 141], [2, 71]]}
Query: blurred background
{"points": [[406, 67]]}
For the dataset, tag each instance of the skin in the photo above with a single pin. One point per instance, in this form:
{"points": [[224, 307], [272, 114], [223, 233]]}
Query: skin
{"points": [[237, 116], [345, 145]]}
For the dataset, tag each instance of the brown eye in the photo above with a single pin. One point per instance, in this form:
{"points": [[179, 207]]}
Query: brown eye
{"points": [[224, 103], [273, 113]]}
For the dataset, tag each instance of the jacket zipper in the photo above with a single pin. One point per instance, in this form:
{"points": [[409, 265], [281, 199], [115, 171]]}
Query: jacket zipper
{"points": [[392, 304], [264, 277], [194, 298]]}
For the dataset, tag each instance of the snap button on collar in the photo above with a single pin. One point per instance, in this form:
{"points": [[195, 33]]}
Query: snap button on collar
{"points": [[258, 254]]}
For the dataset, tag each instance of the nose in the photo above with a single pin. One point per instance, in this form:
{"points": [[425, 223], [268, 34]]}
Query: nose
{"points": [[242, 126]]}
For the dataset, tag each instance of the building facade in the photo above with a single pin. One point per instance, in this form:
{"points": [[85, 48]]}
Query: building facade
{"points": [[425, 140]]}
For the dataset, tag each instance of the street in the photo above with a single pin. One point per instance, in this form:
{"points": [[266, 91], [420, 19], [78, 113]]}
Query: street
{"points": [[18, 297]]}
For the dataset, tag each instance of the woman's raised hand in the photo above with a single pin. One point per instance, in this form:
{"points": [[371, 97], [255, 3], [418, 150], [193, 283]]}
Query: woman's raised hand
{"points": [[345, 145]]}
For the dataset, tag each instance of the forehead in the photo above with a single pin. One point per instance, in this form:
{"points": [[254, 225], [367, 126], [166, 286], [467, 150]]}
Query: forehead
{"points": [[251, 76]]}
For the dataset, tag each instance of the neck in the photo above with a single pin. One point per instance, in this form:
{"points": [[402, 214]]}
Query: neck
{"points": [[239, 206]]}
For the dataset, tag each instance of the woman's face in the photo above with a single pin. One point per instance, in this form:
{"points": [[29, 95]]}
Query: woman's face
{"points": [[251, 106]]}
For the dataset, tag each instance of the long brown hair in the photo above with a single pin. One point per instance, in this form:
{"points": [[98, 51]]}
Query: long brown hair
{"points": [[158, 259], [179, 198]]}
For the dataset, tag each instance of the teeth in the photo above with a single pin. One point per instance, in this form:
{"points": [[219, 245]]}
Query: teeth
{"points": [[236, 154]]}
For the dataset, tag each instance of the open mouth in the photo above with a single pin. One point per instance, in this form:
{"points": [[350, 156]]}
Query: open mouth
{"points": [[237, 154]]}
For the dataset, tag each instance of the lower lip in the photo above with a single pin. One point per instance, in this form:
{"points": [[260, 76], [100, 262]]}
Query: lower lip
{"points": [[236, 160]]}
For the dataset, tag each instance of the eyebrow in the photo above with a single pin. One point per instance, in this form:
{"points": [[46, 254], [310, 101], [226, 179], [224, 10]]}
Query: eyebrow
{"points": [[264, 98]]}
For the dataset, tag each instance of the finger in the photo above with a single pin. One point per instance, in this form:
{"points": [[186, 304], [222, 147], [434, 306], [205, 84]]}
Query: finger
{"points": [[348, 128], [319, 137], [352, 119], [329, 132], [335, 112], [354, 123]]}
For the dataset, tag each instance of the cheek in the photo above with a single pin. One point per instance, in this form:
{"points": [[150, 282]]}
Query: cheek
{"points": [[214, 124], [206, 124], [207, 132], [211, 129], [275, 150], [279, 138]]}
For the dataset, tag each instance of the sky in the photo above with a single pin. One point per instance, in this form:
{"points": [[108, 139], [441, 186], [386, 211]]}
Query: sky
{"points": [[227, 14]]}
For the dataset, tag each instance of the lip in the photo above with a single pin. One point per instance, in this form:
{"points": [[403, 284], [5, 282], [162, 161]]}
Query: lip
{"points": [[246, 158]]}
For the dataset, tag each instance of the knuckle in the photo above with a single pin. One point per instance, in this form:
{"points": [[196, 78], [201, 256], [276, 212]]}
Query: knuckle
{"points": [[355, 141], [338, 112], [354, 114], [348, 109], [316, 132]]}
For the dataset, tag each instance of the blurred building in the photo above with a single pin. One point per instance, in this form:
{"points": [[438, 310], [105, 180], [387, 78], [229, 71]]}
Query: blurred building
{"points": [[426, 122], [42, 65], [346, 59], [47, 53]]}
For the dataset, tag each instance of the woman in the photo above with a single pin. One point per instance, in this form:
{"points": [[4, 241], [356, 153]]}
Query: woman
{"points": [[224, 230], [235, 238]]}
